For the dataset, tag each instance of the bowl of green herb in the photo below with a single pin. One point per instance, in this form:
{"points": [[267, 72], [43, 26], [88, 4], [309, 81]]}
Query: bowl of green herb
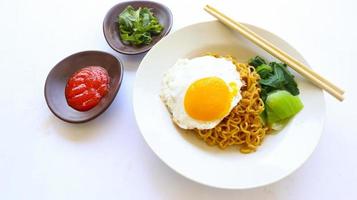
{"points": [[133, 27]]}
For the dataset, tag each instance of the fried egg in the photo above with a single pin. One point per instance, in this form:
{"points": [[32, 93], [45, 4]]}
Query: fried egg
{"points": [[200, 92]]}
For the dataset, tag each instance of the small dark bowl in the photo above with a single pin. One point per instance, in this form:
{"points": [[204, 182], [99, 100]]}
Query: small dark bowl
{"points": [[111, 26], [57, 79]]}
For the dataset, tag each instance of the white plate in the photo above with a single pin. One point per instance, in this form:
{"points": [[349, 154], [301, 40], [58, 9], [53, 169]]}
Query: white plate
{"points": [[276, 158]]}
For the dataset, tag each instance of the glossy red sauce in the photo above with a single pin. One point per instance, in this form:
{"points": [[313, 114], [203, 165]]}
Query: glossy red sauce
{"points": [[86, 87]]}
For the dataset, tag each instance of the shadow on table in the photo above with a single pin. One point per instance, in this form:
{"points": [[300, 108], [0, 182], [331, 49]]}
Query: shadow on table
{"points": [[80, 132], [130, 62]]}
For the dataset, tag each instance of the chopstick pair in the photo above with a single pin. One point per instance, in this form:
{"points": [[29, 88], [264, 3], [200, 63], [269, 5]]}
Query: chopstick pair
{"points": [[296, 65]]}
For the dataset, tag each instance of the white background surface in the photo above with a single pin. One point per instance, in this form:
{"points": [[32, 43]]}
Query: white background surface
{"points": [[42, 157]]}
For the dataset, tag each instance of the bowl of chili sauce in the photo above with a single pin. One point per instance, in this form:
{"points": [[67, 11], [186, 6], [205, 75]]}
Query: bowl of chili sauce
{"points": [[82, 86]]}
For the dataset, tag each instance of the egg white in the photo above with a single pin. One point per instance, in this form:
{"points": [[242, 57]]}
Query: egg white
{"points": [[183, 73]]}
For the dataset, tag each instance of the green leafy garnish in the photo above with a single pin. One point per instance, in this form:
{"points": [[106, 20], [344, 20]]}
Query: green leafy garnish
{"points": [[274, 76], [278, 90], [256, 61], [264, 70], [137, 27]]}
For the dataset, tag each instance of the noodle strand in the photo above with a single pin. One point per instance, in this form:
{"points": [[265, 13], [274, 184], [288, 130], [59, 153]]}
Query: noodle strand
{"points": [[243, 127]]}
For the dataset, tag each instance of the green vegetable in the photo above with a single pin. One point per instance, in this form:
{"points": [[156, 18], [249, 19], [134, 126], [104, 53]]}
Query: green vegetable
{"points": [[256, 61], [279, 92], [264, 70], [137, 27], [274, 76], [281, 105]]}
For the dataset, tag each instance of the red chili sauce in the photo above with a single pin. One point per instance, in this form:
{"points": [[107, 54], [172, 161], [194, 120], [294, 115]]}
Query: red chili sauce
{"points": [[86, 87]]}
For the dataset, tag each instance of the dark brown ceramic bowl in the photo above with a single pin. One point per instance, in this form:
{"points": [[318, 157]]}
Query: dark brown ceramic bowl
{"points": [[111, 26], [57, 79]]}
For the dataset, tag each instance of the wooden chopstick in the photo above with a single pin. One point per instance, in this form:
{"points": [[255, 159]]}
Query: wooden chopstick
{"points": [[278, 53]]}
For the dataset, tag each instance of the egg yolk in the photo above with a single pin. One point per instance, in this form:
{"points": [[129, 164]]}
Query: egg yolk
{"points": [[208, 99]]}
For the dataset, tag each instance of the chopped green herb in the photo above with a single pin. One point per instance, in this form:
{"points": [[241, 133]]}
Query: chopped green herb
{"points": [[137, 27]]}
